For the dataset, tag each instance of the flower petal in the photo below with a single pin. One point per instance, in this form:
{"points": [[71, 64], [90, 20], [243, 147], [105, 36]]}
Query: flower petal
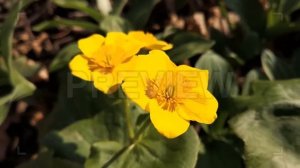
{"points": [[107, 83], [199, 76], [79, 68], [143, 68], [113, 38], [149, 40], [202, 110], [169, 124], [134, 88], [153, 64], [91, 44]]}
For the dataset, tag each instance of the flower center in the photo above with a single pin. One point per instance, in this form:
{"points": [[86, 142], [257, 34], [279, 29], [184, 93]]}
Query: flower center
{"points": [[104, 66], [164, 94]]}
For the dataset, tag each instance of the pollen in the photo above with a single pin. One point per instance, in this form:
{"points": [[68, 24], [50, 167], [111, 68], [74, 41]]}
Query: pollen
{"points": [[164, 94]]}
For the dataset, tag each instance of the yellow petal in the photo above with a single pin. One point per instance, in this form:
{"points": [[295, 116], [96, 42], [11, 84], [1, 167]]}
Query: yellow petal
{"points": [[149, 40], [79, 68], [200, 77], [169, 124], [134, 88], [154, 64], [114, 38], [91, 44], [202, 110], [142, 69], [107, 83]]}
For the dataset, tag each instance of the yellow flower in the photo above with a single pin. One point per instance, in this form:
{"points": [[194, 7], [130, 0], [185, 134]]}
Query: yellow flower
{"points": [[103, 58], [172, 94], [149, 41]]}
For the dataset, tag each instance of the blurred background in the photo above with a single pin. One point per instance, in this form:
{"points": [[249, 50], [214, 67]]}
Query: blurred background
{"points": [[250, 47]]}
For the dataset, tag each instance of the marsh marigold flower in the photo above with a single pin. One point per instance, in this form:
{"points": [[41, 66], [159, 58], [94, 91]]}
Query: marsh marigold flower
{"points": [[149, 41], [102, 59], [174, 95]]}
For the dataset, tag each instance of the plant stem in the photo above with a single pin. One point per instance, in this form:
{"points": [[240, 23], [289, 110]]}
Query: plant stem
{"points": [[137, 136], [128, 119]]}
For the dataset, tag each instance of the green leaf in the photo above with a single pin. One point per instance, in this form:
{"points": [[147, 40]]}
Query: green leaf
{"points": [[140, 11], [274, 67], [60, 22], [26, 69], [187, 45], [219, 154], [63, 57], [222, 81], [47, 160], [251, 13], [81, 6], [77, 99], [21, 87], [252, 76], [270, 136], [115, 23], [152, 150], [105, 128], [269, 124], [74, 142]]}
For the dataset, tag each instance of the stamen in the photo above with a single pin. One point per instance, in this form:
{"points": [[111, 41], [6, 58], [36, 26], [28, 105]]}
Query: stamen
{"points": [[166, 98]]}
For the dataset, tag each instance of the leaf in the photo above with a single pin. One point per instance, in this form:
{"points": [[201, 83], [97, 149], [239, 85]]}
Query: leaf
{"points": [[25, 68], [219, 154], [269, 125], [274, 67], [221, 76], [58, 22], [81, 6], [140, 11], [152, 150], [271, 141], [251, 13], [63, 57], [76, 100], [74, 142], [106, 129], [187, 45], [21, 87], [47, 160], [115, 23], [252, 76]]}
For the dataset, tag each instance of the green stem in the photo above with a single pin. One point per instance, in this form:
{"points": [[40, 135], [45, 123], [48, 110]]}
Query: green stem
{"points": [[128, 119], [137, 136], [145, 125], [116, 156]]}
